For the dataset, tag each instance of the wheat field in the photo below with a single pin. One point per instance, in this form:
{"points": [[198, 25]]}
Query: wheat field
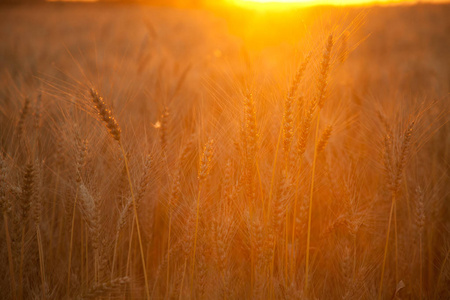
{"points": [[222, 152]]}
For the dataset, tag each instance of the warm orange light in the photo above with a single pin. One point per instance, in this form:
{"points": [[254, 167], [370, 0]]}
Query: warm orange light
{"points": [[325, 2], [280, 1]]}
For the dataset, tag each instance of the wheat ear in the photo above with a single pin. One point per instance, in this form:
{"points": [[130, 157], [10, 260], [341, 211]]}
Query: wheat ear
{"points": [[26, 197]]}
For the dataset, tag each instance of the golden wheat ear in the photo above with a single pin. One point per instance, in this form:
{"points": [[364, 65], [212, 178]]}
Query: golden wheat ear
{"points": [[106, 115], [23, 114]]}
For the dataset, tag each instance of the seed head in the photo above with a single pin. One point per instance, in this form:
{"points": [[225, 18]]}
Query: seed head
{"points": [[205, 161], [106, 115], [324, 70]]}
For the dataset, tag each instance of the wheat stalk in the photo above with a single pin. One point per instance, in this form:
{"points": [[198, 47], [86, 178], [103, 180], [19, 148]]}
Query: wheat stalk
{"points": [[321, 87], [106, 116], [5, 207], [394, 173], [203, 172], [22, 117], [82, 146]]}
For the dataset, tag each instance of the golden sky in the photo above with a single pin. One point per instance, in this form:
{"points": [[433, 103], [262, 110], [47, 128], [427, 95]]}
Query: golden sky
{"points": [[281, 3], [333, 2]]}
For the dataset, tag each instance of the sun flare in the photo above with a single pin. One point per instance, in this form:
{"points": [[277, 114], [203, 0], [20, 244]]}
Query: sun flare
{"points": [[320, 2]]}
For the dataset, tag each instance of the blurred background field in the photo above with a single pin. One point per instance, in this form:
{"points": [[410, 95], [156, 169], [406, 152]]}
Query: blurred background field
{"points": [[409, 43]]}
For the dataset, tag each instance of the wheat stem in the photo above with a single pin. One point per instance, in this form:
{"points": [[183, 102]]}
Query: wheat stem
{"points": [[130, 244], [294, 222], [71, 243], [441, 271], [41, 260], [116, 242], [168, 253], [10, 259], [137, 220], [195, 237], [311, 193], [380, 291], [272, 180], [82, 264], [396, 243], [420, 267], [22, 249], [53, 216], [182, 279]]}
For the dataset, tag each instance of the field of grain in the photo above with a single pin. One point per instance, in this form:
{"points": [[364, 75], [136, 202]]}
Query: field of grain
{"points": [[224, 153]]}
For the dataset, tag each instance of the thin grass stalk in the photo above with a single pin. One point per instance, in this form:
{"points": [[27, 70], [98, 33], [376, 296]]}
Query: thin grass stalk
{"points": [[130, 246], [60, 232], [41, 260], [294, 222], [86, 250], [182, 279], [405, 183], [82, 235], [258, 172], [252, 266], [53, 215], [116, 242], [286, 252], [10, 258], [22, 250], [380, 290], [278, 225], [203, 172], [136, 220], [311, 193], [301, 148], [96, 267], [71, 242], [272, 266], [168, 253], [354, 259], [272, 180], [430, 240], [419, 225], [420, 268], [441, 271], [396, 243], [173, 197], [195, 237]]}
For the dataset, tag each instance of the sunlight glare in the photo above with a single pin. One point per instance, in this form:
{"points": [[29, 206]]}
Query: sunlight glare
{"points": [[320, 2]]}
